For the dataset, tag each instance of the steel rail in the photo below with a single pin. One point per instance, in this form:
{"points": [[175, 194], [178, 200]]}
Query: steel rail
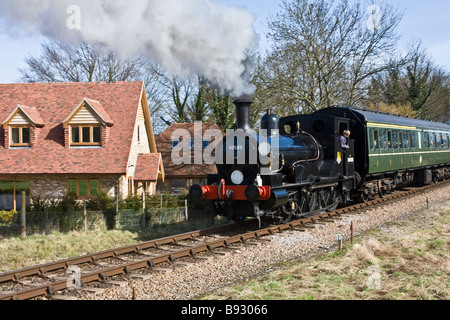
{"points": [[153, 261], [41, 270]]}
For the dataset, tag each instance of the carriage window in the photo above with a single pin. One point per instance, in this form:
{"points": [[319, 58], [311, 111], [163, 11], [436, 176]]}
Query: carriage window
{"points": [[376, 142], [371, 142], [432, 140], [389, 134], [406, 139], [438, 140], [395, 140], [413, 140], [426, 139]]}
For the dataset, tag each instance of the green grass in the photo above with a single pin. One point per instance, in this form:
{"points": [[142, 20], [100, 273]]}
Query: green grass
{"points": [[411, 257]]}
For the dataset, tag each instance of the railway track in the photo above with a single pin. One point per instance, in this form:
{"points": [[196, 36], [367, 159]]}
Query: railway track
{"points": [[51, 279]]}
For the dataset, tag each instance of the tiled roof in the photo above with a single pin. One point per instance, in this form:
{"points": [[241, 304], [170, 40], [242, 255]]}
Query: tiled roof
{"points": [[164, 144], [54, 103], [147, 167]]}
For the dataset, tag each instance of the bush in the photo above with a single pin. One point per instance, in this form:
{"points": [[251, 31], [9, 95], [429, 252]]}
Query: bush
{"points": [[8, 217], [64, 205]]}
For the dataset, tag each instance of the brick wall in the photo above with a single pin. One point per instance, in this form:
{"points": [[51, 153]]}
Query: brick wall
{"points": [[6, 141], [66, 137], [55, 186]]}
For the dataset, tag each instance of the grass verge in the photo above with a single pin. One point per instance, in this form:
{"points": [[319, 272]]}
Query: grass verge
{"points": [[404, 260]]}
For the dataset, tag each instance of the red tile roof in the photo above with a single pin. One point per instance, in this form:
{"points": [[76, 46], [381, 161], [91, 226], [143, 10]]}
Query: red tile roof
{"points": [[54, 103], [164, 144], [147, 167]]}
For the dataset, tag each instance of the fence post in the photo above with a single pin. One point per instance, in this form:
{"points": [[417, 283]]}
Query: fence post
{"points": [[46, 216], [186, 213], [85, 217], [23, 219], [117, 198], [143, 210]]}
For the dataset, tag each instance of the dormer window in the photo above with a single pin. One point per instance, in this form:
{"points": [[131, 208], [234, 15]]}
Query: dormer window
{"points": [[87, 126], [22, 127], [85, 135], [20, 136]]}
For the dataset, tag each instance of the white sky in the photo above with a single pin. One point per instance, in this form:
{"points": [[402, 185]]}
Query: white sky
{"points": [[426, 20]]}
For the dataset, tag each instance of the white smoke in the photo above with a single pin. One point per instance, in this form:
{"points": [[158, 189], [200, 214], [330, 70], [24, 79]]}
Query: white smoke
{"points": [[187, 37]]}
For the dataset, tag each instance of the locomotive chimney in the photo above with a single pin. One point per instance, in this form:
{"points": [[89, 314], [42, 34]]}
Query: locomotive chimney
{"points": [[243, 112]]}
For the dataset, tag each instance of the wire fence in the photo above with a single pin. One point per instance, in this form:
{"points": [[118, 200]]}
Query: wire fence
{"points": [[63, 222], [45, 217]]}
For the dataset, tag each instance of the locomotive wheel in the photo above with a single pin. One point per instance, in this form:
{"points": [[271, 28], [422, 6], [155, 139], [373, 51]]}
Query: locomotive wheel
{"points": [[308, 203], [364, 197], [286, 215], [330, 199]]}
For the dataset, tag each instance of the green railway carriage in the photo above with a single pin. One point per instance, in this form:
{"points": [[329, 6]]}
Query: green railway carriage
{"points": [[391, 150], [394, 147]]}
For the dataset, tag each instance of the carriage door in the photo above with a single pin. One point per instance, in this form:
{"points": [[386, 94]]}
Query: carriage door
{"points": [[348, 155]]}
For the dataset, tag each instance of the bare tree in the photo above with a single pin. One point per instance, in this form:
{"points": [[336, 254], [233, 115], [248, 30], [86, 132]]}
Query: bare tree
{"points": [[325, 52], [65, 62]]}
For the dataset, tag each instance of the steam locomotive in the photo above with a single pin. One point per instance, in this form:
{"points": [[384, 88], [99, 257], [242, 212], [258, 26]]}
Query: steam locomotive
{"points": [[296, 166]]}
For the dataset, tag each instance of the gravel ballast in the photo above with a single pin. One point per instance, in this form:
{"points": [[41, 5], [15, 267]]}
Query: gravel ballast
{"points": [[185, 282]]}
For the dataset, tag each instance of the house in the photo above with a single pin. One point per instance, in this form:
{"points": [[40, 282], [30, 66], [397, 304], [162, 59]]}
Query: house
{"points": [[60, 139], [180, 177]]}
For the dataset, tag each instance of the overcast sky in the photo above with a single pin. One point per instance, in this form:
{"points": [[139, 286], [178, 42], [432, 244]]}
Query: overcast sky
{"points": [[426, 20]]}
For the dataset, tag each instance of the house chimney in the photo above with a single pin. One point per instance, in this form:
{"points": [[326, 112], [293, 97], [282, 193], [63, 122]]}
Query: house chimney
{"points": [[243, 112]]}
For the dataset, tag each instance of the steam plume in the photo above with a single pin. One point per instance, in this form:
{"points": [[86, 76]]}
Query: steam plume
{"points": [[186, 37]]}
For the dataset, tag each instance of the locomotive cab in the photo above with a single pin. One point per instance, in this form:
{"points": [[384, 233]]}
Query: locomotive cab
{"points": [[337, 163]]}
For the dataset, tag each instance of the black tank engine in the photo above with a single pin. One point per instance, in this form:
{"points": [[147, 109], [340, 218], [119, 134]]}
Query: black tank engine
{"points": [[282, 172], [296, 166]]}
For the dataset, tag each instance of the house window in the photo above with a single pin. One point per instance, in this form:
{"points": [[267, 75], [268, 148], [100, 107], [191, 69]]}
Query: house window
{"points": [[85, 135], [20, 137], [178, 186], [83, 188], [11, 194]]}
